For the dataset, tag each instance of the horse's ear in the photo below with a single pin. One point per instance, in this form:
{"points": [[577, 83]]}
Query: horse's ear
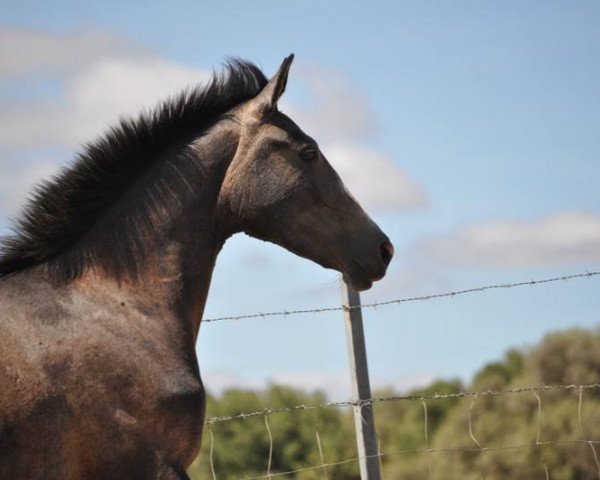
{"points": [[266, 100]]}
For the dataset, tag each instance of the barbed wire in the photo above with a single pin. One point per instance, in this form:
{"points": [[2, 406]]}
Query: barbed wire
{"points": [[405, 300], [432, 450], [400, 398]]}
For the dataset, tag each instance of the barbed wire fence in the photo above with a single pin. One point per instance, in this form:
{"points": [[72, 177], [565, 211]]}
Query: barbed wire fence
{"points": [[400, 301], [477, 446], [399, 398]]}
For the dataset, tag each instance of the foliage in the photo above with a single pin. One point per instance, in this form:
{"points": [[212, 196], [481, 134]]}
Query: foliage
{"points": [[241, 447], [528, 420]]}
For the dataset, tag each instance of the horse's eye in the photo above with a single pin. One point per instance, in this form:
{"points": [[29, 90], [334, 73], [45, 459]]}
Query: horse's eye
{"points": [[309, 154]]}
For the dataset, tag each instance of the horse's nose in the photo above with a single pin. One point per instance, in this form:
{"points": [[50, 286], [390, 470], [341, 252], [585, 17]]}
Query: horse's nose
{"points": [[387, 252]]}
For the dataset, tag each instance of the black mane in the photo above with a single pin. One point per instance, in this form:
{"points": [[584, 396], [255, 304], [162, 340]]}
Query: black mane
{"points": [[55, 225]]}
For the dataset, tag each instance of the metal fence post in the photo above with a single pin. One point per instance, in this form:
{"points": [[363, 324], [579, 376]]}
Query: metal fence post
{"points": [[364, 424]]}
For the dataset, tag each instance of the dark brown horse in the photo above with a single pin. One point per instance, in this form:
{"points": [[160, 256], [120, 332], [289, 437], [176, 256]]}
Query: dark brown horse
{"points": [[103, 284]]}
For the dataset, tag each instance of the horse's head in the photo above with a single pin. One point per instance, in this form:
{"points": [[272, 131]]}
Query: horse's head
{"points": [[281, 188]]}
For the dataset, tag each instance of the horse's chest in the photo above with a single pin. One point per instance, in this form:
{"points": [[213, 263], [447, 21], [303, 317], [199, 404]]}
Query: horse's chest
{"points": [[136, 394], [164, 404], [145, 417], [171, 420]]}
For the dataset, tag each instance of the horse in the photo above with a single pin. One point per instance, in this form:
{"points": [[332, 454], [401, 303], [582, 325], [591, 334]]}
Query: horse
{"points": [[104, 278]]}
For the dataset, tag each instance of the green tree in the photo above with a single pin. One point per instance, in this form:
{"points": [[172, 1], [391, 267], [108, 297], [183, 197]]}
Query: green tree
{"points": [[241, 447], [524, 434]]}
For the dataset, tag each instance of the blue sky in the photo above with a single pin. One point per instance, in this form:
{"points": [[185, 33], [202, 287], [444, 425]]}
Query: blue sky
{"points": [[469, 129]]}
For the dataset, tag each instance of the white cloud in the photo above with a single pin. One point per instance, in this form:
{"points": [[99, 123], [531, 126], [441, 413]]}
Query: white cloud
{"points": [[113, 87], [92, 99], [337, 109], [335, 385], [373, 178], [563, 238], [28, 51], [103, 77], [217, 381]]}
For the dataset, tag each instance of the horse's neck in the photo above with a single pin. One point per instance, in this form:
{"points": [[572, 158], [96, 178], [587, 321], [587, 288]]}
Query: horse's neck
{"points": [[175, 276]]}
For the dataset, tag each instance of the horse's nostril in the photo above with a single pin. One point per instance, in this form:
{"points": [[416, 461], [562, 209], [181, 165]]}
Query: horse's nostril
{"points": [[387, 252]]}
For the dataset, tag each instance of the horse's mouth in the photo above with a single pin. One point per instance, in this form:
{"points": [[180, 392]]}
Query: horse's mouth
{"points": [[358, 280], [358, 284]]}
